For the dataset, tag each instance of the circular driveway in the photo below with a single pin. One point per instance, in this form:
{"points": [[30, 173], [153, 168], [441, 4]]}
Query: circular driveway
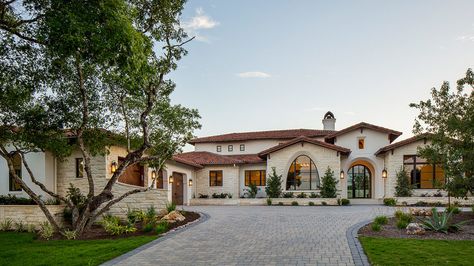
{"points": [[261, 235]]}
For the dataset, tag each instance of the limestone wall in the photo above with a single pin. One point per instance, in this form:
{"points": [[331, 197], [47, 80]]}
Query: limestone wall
{"points": [[30, 214], [230, 181], [263, 201]]}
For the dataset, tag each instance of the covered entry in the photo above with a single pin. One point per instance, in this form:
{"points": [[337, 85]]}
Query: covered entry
{"points": [[359, 182], [177, 189]]}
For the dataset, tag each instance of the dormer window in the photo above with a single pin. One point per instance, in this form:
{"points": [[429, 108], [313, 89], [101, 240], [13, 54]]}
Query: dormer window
{"points": [[242, 147], [219, 148], [230, 148], [361, 143]]}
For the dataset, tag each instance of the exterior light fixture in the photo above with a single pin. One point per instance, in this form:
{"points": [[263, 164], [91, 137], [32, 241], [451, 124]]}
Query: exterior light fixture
{"points": [[341, 175], [384, 173], [153, 174], [113, 167], [190, 182], [171, 179]]}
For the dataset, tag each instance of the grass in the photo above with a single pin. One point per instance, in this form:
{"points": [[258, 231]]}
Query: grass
{"points": [[395, 251], [24, 249]]}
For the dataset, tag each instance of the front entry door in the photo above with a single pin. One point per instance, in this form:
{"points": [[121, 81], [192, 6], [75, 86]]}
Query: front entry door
{"points": [[177, 189], [359, 182]]}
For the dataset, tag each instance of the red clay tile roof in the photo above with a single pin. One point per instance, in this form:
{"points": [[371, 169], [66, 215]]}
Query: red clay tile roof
{"points": [[208, 158], [186, 162], [304, 139], [272, 134], [393, 133], [402, 143]]}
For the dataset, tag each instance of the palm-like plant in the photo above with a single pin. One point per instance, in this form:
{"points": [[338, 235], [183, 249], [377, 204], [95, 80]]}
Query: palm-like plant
{"points": [[441, 222]]}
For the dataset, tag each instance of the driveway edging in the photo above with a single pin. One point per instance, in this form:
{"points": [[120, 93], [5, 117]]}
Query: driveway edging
{"points": [[204, 217], [358, 254]]}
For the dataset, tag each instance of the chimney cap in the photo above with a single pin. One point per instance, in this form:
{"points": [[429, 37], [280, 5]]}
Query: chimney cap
{"points": [[329, 115]]}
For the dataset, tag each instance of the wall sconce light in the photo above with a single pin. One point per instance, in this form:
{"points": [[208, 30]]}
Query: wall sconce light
{"points": [[341, 175], [171, 179], [113, 167], [190, 182], [153, 174], [384, 173]]}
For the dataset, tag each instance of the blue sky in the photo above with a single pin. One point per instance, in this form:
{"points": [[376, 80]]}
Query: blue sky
{"points": [[261, 65]]}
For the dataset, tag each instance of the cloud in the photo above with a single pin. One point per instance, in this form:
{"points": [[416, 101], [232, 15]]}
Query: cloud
{"points": [[349, 113], [253, 74], [199, 22], [465, 38]]}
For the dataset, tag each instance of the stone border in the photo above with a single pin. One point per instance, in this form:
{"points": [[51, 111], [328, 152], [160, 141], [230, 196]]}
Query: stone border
{"points": [[204, 217], [358, 254]]}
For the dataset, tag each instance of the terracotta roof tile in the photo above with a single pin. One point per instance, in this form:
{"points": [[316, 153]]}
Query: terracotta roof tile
{"points": [[401, 143], [304, 139], [393, 133], [209, 158], [258, 135]]}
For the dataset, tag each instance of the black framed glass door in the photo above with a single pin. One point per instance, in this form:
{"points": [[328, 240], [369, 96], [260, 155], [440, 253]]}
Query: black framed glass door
{"points": [[359, 182]]}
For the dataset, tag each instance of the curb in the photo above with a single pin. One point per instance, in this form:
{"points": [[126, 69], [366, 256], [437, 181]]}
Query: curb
{"points": [[160, 239], [358, 254]]}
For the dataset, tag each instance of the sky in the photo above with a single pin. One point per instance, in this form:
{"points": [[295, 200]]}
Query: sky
{"points": [[264, 65]]}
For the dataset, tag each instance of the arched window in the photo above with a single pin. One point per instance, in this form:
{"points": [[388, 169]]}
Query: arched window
{"points": [[359, 182], [302, 175]]}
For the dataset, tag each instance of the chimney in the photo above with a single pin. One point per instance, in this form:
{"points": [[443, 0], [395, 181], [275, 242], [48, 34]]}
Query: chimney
{"points": [[329, 121]]}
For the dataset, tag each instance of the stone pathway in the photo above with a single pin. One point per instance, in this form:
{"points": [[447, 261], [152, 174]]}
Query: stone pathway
{"points": [[261, 235]]}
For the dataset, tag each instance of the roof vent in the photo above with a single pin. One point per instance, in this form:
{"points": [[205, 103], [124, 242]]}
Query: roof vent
{"points": [[329, 121]]}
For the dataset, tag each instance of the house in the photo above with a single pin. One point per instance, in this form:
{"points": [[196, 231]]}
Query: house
{"points": [[364, 157]]}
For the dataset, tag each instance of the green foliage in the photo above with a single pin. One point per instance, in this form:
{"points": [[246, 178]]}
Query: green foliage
{"points": [[134, 216], [324, 203], [75, 195], [398, 214], [269, 202], [314, 195], [389, 202], [6, 224], [161, 227], [311, 203], [288, 195], [30, 228], [403, 187], [328, 187], [294, 203], [170, 206], [148, 228], [150, 219], [273, 188], [453, 209], [447, 119], [280, 203], [221, 195], [46, 230], [382, 220], [402, 224], [441, 222], [111, 225], [69, 234], [14, 200], [403, 219], [302, 195], [343, 202], [472, 208], [20, 226], [251, 191], [376, 227]]}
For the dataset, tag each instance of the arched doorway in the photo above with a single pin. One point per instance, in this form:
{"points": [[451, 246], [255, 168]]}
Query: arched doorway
{"points": [[302, 174], [359, 182]]}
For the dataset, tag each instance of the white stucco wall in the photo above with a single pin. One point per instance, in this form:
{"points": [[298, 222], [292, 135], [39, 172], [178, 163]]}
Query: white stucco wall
{"points": [[374, 140], [322, 157], [243, 168], [187, 172], [230, 180]]}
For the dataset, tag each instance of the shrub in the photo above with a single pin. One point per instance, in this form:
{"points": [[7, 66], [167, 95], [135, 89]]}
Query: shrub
{"points": [[376, 227], [313, 195], [441, 223], [202, 196], [148, 227], [382, 220], [269, 202], [170, 206], [438, 194], [328, 186], [294, 203], [150, 218], [69, 234], [52, 201], [472, 208], [161, 227], [111, 225], [324, 203], [6, 225], [302, 195], [30, 228], [453, 209], [389, 202], [311, 203], [20, 226], [403, 187], [401, 224], [280, 203], [67, 215], [75, 195], [134, 216], [288, 195], [273, 188], [221, 195], [46, 230], [403, 219], [251, 191], [343, 202], [398, 214], [14, 200]]}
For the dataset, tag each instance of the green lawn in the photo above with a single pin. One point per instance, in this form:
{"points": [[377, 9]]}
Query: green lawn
{"points": [[23, 249], [395, 251]]}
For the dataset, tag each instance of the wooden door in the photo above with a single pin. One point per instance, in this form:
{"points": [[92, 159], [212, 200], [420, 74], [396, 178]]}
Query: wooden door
{"points": [[133, 175], [178, 189]]}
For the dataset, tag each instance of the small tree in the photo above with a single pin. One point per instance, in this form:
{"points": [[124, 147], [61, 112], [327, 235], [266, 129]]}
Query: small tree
{"points": [[328, 186], [403, 187], [273, 188], [252, 190]]}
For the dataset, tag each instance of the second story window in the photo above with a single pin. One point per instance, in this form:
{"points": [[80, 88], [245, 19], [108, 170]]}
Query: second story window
{"points": [[17, 163], [242, 147], [361, 142], [230, 148], [79, 168], [219, 148]]}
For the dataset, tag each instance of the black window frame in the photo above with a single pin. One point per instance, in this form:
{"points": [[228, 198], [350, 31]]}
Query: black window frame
{"points": [[216, 181], [230, 148], [79, 174], [263, 177], [242, 147], [218, 148], [413, 170], [291, 185]]}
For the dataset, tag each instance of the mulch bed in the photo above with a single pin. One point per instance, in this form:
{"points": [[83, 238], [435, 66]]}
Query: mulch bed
{"points": [[97, 232], [390, 230]]}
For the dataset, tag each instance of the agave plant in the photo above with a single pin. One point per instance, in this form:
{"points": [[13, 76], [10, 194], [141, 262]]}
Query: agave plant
{"points": [[441, 222]]}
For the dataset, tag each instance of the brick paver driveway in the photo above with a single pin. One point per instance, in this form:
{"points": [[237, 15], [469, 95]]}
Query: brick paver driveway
{"points": [[261, 235]]}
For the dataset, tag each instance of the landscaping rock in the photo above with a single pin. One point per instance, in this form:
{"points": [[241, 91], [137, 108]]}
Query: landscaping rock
{"points": [[173, 217], [420, 212], [415, 229]]}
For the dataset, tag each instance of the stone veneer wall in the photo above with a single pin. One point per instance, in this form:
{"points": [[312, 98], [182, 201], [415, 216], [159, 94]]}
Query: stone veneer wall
{"points": [[30, 214], [230, 181]]}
